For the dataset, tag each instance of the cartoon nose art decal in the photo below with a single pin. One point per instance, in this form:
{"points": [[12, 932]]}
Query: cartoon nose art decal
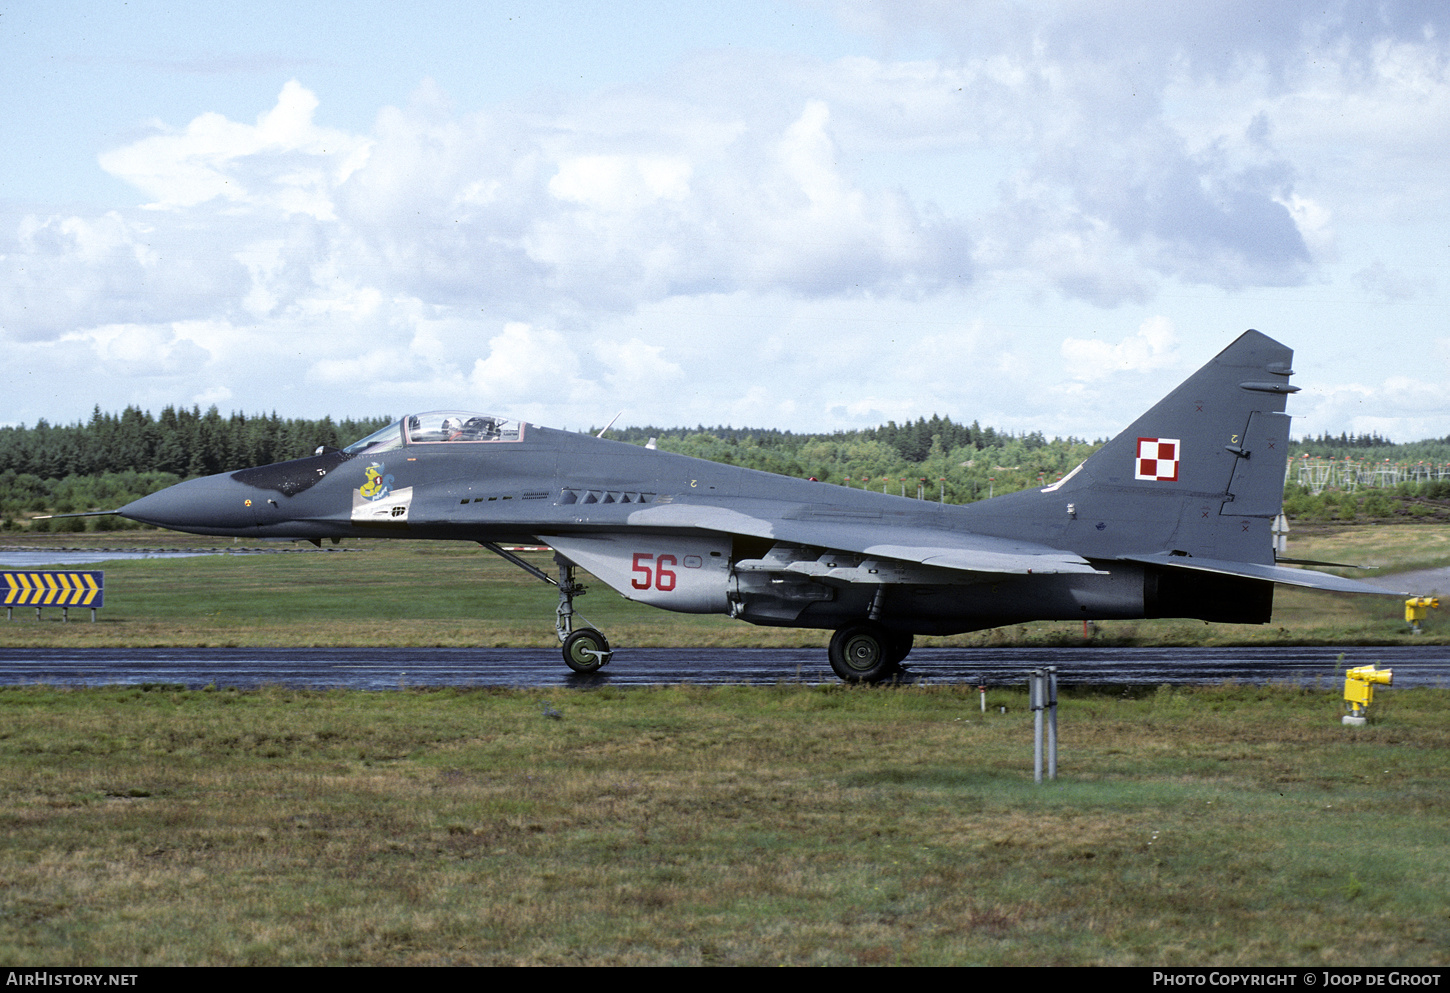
{"points": [[376, 504], [377, 486]]}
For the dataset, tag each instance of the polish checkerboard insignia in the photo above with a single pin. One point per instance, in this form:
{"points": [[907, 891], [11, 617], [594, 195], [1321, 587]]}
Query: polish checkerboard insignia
{"points": [[1157, 459]]}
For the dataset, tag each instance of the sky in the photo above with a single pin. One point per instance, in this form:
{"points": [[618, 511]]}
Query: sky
{"points": [[812, 216]]}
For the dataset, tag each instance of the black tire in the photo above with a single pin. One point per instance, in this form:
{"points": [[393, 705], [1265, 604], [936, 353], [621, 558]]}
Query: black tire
{"points": [[586, 651], [861, 653], [899, 647]]}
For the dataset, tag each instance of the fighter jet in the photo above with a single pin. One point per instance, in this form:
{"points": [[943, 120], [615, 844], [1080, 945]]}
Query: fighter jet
{"points": [[1171, 518]]}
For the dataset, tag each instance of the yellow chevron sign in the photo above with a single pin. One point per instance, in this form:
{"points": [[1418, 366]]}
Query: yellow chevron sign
{"points": [[53, 589]]}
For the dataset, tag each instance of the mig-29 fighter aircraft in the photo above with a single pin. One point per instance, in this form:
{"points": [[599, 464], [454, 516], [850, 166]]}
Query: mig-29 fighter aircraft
{"points": [[1171, 518]]}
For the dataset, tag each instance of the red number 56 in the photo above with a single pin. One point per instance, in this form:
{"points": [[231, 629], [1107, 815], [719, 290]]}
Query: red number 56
{"points": [[662, 577]]}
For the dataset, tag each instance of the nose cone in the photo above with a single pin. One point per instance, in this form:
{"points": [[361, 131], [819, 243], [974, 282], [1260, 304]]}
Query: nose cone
{"points": [[210, 505]]}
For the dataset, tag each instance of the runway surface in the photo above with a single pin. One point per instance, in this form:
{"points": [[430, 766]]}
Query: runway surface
{"points": [[395, 668]]}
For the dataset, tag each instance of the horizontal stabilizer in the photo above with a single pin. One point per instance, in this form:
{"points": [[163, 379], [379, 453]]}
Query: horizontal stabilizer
{"points": [[1273, 573], [1332, 565]]}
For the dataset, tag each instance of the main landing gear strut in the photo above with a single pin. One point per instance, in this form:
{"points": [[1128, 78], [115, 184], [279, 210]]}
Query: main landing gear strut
{"points": [[585, 650]]}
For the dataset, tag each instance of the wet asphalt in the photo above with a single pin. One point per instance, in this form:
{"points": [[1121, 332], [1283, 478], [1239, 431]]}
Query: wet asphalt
{"points": [[383, 669]]}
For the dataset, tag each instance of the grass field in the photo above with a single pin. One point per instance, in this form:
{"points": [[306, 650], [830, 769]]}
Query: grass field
{"points": [[827, 825], [726, 825], [414, 593]]}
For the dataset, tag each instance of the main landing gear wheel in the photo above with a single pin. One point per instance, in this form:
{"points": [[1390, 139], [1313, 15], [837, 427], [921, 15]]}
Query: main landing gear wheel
{"points": [[586, 650], [867, 653], [898, 648]]}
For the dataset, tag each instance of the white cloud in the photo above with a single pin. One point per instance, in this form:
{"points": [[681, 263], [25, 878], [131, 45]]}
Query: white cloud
{"points": [[1314, 224], [1211, 146], [66, 272], [636, 369], [1385, 283], [365, 370], [1402, 408], [216, 396], [620, 183], [525, 362], [1153, 347], [144, 350], [283, 161], [766, 235]]}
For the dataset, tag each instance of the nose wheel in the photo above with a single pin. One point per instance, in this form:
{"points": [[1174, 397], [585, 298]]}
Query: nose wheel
{"points": [[586, 651]]}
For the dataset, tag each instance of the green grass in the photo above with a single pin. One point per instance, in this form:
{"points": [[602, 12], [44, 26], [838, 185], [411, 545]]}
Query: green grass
{"points": [[375, 593], [727, 825]]}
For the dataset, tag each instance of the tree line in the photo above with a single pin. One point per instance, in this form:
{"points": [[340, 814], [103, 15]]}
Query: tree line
{"points": [[181, 442], [912, 440], [1373, 448], [113, 459], [934, 458]]}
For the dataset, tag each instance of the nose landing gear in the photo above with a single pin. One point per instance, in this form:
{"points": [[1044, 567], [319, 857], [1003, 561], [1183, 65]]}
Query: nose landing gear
{"points": [[585, 650]]}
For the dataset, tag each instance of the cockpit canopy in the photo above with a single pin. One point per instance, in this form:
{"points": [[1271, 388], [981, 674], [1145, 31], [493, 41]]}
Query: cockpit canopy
{"points": [[438, 427]]}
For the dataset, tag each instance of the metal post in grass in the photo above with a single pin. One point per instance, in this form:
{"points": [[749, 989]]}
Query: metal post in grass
{"points": [[1034, 700], [1042, 695], [1052, 722]]}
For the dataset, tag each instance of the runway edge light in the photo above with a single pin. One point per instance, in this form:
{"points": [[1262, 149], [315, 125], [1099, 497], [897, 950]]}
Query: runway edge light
{"points": [[1417, 608], [1359, 690]]}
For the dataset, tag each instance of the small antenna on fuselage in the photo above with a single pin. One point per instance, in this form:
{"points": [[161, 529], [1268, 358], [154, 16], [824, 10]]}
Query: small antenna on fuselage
{"points": [[609, 425]]}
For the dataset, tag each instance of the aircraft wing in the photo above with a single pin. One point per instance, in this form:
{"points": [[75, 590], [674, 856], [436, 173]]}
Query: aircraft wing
{"points": [[1273, 573], [870, 536]]}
